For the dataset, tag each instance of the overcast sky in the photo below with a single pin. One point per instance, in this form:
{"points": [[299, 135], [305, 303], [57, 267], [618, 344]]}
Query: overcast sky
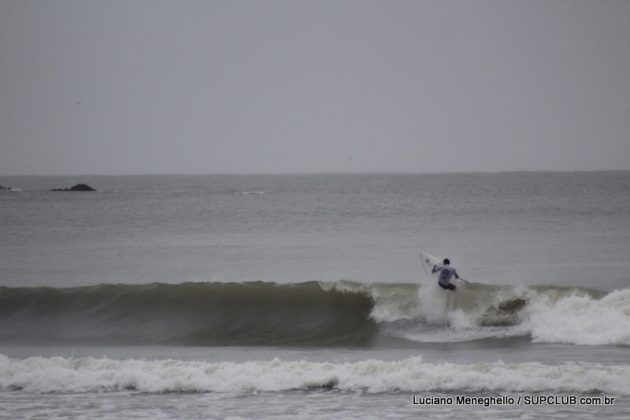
{"points": [[260, 86]]}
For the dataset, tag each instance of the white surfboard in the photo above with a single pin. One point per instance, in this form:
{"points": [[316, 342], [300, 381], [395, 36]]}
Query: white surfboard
{"points": [[428, 261]]}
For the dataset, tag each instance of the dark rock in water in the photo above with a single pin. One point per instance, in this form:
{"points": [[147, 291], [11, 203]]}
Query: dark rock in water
{"points": [[82, 187], [78, 187]]}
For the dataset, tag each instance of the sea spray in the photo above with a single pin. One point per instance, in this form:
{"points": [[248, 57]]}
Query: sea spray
{"points": [[435, 302]]}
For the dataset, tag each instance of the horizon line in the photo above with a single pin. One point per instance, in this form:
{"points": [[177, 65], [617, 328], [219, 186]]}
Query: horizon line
{"points": [[319, 173]]}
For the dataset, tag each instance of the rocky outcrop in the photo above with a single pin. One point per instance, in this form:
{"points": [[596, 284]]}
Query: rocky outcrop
{"points": [[77, 187]]}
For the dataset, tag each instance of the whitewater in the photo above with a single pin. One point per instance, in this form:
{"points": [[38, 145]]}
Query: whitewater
{"points": [[88, 374], [303, 296]]}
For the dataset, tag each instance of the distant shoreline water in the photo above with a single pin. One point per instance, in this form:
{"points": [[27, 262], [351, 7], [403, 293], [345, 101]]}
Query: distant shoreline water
{"points": [[507, 228]]}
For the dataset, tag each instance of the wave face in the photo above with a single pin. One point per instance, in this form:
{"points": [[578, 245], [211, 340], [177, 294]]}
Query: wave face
{"points": [[311, 314], [192, 313], [89, 374]]}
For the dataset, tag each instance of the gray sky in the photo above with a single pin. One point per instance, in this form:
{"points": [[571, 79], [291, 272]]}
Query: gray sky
{"points": [[180, 86]]}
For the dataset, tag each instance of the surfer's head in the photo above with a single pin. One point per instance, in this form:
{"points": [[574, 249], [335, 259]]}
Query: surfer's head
{"points": [[446, 261]]}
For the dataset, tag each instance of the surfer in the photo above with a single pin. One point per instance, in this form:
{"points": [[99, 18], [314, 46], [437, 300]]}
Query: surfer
{"points": [[446, 272]]}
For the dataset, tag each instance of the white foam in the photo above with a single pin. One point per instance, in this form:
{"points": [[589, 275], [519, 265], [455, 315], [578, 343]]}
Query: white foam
{"points": [[581, 320], [551, 315], [448, 334], [441, 319], [434, 303], [374, 376]]}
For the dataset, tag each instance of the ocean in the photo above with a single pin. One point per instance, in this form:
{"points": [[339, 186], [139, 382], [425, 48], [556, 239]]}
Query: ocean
{"points": [[305, 296]]}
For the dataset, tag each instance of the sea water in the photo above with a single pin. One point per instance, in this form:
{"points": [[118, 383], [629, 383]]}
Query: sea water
{"points": [[303, 296]]}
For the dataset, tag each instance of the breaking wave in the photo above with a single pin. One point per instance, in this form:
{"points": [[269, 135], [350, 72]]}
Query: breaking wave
{"points": [[57, 374], [311, 314]]}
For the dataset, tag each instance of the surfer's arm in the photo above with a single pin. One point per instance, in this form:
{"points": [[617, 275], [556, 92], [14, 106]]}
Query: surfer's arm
{"points": [[436, 268]]}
